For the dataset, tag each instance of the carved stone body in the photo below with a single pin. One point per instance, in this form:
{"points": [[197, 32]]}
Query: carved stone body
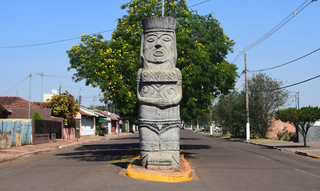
{"points": [[159, 93]]}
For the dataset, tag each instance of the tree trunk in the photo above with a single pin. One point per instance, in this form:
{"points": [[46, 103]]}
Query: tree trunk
{"points": [[305, 140]]}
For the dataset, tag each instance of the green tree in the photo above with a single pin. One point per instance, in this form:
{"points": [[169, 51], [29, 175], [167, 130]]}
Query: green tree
{"points": [[112, 64], [229, 113], [264, 100], [38, 122], [302, 119], [3, 112], [65, 106]]}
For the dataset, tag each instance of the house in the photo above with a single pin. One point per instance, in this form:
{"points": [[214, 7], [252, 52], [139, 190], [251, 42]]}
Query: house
{"points": [[88, 122], [20, 129], [18, 108], [113, 124]]}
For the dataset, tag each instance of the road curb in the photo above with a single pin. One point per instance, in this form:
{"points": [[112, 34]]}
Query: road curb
{"points": [[279, 149], [182, 177], [307, 154]]}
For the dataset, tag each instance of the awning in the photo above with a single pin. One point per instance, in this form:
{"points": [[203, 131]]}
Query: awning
{"points": [[102, 120]]}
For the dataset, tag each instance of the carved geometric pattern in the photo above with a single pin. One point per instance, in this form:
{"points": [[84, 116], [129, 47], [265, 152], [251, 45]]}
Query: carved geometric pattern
{"points": [[158, 90], [149, 146], [159, 76], [169, 145], [159, 127]]}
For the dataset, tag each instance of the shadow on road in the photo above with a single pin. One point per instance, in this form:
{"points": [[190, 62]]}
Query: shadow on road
{"points": [[114, 153], [132, 138], [189, 139], [192, 147], [118, 154]]}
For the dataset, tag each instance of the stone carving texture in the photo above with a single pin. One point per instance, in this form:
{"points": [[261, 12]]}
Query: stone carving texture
{"points": [[159, 92]]}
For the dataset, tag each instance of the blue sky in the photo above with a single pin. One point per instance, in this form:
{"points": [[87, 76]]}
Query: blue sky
{"points": [[36, 22]]}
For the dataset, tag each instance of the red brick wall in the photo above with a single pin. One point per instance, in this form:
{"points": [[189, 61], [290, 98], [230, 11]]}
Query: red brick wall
{"points": [[279, 126]]}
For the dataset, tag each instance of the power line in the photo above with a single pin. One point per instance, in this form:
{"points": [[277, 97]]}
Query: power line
{"points": [[287, 85], [239, 76], [286, 62], [198, 3], [16, 86], [53, 42], [56, 76], [69, 39], [274, 29]]}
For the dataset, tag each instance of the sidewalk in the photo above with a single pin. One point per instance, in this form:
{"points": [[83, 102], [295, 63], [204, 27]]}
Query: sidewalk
{"points": [[312, 149], [26, 150]]}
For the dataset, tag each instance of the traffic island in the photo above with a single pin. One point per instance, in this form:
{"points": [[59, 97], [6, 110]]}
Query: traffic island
{"points": [[182, 174]]}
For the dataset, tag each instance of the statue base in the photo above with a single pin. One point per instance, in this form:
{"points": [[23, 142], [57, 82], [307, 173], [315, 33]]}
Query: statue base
{"points": [[181, 174]]}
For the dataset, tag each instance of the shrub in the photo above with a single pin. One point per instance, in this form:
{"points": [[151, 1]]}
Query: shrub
{"points": [[38, 122], [285, 135], [208, 127]]}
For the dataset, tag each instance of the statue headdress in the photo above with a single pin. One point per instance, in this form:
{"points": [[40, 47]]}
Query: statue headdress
{"points": [[158, 24]]}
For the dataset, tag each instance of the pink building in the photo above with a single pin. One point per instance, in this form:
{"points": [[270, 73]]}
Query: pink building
{"points": [[279, 126]]}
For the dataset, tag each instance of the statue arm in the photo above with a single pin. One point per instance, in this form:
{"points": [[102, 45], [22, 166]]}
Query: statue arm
{"points": [[176, 100], [144, 100]]}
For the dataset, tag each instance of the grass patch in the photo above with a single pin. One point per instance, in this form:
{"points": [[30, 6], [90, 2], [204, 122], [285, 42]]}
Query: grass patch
{"points": [[89, 137], [41, 153], [267, 140]]}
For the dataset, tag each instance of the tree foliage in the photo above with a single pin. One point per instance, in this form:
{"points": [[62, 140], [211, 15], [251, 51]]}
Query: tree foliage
{"points": [[229, 113], [36, 116], [3, 112], [302, 119], [112, 64], [63, 105], [263, 102], [38, 122]]}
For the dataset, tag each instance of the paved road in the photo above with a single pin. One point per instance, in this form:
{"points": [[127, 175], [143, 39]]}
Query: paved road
{"points": [[219, 164]]}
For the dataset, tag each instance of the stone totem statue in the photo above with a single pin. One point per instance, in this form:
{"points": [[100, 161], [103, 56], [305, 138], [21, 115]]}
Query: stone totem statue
{"points": [[159, 93]]}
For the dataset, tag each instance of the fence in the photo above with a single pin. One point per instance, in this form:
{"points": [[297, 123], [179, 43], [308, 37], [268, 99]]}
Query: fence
{"points": [[53, 128], [15, 132]]}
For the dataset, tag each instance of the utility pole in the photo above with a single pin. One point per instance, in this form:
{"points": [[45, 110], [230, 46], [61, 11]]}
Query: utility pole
{"points": [[210, 121], [41, 98], [59, 93], [247, 99], [298, 100], [79, 101], [162, 7], [29, 96]]}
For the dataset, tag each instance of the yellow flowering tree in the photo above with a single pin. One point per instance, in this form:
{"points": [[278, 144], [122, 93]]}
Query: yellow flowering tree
{"points": [[113, 64], [64, 106]]}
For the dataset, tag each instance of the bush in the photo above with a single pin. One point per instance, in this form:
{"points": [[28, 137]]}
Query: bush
{"points": [[285, 135], [208, 127], [38, 122]]}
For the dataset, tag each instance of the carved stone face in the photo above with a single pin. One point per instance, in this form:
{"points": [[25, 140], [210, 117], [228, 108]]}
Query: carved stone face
{"points": [[158, 47]]}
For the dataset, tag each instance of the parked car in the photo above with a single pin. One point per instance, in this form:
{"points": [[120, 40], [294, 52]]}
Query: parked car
{"points": [[217, 129]]}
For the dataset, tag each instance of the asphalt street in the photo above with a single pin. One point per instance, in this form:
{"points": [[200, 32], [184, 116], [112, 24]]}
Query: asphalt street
{"points": [[219, 164]]}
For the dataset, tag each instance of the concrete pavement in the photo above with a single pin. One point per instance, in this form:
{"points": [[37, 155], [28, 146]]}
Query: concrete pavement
{"points": [[26, 150], [312, 149]]}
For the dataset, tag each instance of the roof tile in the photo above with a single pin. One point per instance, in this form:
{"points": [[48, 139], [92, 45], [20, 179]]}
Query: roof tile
{"points": [[16, 102]]}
